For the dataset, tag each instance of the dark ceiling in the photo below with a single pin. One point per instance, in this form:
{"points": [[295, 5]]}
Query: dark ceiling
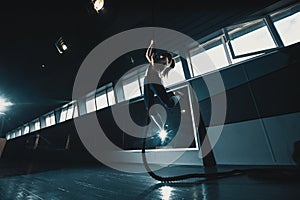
{"points": [[29, 30]]}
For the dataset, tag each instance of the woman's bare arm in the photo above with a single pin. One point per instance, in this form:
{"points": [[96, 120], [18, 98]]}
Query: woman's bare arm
{"points": [[149, 54]]}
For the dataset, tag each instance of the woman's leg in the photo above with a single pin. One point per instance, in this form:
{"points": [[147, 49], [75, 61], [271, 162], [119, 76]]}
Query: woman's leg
{"points": [[148, 97], [169, 99]]}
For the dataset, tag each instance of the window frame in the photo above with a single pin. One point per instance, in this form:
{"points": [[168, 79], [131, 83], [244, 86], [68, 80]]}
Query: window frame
{"points": [[51, 117], [24, 128], [281, 14], [135, 78], [211, 41], [91, 97], [270, 29], [99, 95]]}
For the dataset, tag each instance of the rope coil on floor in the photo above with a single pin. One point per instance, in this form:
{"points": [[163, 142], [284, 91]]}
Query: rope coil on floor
{"points": [[185, 176]]}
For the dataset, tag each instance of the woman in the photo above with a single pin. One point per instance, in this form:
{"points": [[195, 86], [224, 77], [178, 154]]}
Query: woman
{"points": [[158, 68]]}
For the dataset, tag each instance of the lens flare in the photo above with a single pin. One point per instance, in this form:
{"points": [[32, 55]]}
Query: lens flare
{"points": [[163, 134], [4, 104]]}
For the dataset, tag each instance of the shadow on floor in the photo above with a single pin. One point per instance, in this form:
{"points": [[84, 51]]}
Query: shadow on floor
{"points": [[22, 167]]}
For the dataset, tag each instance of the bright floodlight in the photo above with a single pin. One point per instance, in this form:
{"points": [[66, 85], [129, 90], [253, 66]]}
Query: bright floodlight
{"points": [[61, 45], [64, 47], [98, 5], [4, 104]]}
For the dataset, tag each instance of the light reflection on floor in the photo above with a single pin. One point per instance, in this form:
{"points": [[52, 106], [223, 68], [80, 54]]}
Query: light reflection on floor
{"points": [[166, 192]]}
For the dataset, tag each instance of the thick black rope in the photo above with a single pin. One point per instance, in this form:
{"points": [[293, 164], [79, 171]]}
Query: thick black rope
{"points": [[287, 173]]}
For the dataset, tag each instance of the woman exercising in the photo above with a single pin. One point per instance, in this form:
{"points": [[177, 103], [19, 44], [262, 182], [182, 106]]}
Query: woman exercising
{"points": [[160, 66]]}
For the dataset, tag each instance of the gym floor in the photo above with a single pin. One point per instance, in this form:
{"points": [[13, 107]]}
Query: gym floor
{"points": [[27, 180]]}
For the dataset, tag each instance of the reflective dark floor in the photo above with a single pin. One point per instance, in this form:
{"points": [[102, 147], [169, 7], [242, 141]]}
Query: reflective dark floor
{"points": [[25, 180]]}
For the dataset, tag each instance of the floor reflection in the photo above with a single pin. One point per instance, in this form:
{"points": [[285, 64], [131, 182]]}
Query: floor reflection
{"points": [[166, 192], [205, 190]]}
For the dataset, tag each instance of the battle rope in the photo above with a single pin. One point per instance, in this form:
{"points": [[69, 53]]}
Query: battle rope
{"points": [[185, 176]]}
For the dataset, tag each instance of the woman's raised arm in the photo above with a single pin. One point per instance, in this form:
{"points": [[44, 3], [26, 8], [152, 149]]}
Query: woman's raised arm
{"points": [[149, 54]]}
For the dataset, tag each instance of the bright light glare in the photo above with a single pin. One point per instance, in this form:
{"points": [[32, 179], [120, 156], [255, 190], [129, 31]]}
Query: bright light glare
{"points": [[166, 192], [4, 104], [64, 47], [163, 134], [98, 5]]}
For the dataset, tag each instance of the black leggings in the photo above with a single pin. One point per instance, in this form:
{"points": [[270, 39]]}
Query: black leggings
{"points": [[151, 89]]}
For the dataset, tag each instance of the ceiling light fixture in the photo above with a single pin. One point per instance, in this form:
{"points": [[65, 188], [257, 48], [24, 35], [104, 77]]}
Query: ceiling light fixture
{"points": [[61, 45], [98, 5]]}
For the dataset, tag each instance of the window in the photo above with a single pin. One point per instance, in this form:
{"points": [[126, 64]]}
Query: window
{"points": [[70, 112], [209, 57], [90, 104], [142, 78], [249, 38], [132, 83], [75, 111], [134, 86], [176, 75], [287, 23], [240, 59], [131, 88], [12, 135], [8, 136], [26, 129], [67, 112], [37, 125], [101, 100], [63, 114], [18, 132], [50, 120], [111, 96]]}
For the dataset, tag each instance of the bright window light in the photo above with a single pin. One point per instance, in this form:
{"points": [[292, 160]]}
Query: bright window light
{"points": [[176, 75], [101, 100], [75, 114], [142, 78], [26, 130], [37, 125], [209, 60], [131, 88], [289, 29], [70, 112], [50, 120], [256, 40], [251, 37], [90, 104], [18, 132], [111, 97], [237, 60], [63, 115]]}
